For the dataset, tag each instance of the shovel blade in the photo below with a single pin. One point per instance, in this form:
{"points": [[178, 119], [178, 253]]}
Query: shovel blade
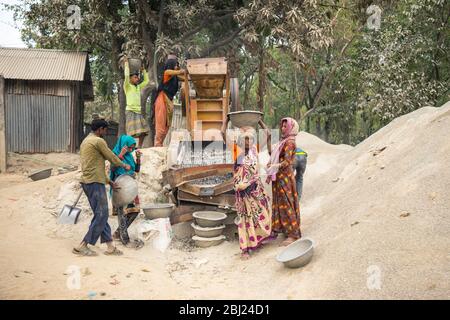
{"points": [[69, 215]]}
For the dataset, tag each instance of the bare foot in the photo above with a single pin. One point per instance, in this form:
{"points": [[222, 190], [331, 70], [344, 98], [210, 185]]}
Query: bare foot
{"points": [[245, 256], [287, 242]]}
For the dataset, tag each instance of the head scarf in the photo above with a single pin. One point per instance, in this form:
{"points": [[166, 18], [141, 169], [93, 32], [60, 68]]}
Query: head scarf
{"points": [[169, 84], [128, 158], [289, 135]]}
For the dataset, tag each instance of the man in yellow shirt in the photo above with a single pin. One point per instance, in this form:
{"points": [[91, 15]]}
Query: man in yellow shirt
{"points": [[93, 153], [136, 124]]}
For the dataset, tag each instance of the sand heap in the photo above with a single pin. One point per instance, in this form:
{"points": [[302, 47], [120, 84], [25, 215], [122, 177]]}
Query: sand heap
{"points": [[382, 207], [150, 177]]}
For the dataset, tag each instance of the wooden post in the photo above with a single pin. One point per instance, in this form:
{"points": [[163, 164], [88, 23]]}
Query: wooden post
{"points": [[187, 99], [3, 154]]}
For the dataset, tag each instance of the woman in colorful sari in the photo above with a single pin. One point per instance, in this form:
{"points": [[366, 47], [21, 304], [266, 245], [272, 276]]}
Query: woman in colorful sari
{"points": [[252, 203], [285, 205], [124, 149], [164, 100]]}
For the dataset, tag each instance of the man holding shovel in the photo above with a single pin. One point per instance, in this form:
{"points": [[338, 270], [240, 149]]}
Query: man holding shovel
{"points": [[93, 153]]}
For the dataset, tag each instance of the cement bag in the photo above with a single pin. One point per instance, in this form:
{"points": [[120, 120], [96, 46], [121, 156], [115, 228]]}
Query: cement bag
{"points": [[158, 229]]}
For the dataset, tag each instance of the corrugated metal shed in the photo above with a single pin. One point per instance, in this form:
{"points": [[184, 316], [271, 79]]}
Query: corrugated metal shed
{"points": [[44, 93], [43, 64], [37, 123]]}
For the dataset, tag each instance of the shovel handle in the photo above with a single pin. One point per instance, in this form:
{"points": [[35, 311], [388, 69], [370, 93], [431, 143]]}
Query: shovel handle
{"points": [[78, 198]]}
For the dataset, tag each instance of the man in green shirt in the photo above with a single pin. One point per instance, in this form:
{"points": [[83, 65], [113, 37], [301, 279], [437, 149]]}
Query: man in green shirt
{"points": [[93, 153], [136, 124]]}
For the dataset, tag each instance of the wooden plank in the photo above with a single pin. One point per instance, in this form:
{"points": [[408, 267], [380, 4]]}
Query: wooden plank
{"points": [[181, 218], [220, 200], [209, 88], [193, 115], [209, 100], [188, 107], [199, 190], [208, 116], [226, 100], [183, 213], [224, 187], [209, 105], [178, 177], [3, 151], [207, 66], [190, 188]]}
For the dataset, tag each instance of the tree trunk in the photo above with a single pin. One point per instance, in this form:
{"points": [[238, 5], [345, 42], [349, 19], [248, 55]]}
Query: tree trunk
{"points": [[111, 103], [149, 38], [116, 48], [248, 85], [318, 127], [122, 107], [327, 130], [262, 77]]}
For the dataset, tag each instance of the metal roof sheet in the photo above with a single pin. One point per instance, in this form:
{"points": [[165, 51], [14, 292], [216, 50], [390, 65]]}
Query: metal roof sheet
{"points": [[42, 64]]}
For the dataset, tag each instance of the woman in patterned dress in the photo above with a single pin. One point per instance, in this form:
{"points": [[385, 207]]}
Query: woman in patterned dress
{"points": [[285, 205], [252, 203]]}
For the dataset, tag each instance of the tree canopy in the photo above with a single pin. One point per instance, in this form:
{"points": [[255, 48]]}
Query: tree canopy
{"points": [[315, 60]]}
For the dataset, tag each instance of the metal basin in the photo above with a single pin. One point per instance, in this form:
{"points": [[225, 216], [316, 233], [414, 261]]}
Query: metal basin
{"points": [[134, 64], [297, 254], [208, 232], [208, 242], [127, 192], [158, 210], [40, 174], [209, 218], [245, 118]]}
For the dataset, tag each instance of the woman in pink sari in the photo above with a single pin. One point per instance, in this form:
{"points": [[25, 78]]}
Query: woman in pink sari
{"points": [[252, 203], [285, 205]]}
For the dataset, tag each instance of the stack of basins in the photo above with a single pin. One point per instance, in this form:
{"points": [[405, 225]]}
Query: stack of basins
{"points": [[208, 228]]}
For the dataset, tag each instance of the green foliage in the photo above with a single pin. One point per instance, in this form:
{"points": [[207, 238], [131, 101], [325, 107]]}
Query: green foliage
{"points": [[312, 60], [382, 75]]}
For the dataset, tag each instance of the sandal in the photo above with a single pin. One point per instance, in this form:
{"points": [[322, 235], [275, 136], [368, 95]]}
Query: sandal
{"points": [[136, 244], [115, 252], [85, 251]]}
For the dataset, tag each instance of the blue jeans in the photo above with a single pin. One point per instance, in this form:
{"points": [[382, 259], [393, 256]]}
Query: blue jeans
{"points": [[99, 228], [300, 167]]}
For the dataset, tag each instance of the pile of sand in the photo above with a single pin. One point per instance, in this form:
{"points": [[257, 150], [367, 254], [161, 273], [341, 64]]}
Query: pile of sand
{"points": [[384, 207], [377, 212], [150, 176]]}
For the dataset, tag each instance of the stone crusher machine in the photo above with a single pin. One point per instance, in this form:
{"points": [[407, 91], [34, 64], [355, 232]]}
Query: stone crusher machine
{"points": [[200, 165]]}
